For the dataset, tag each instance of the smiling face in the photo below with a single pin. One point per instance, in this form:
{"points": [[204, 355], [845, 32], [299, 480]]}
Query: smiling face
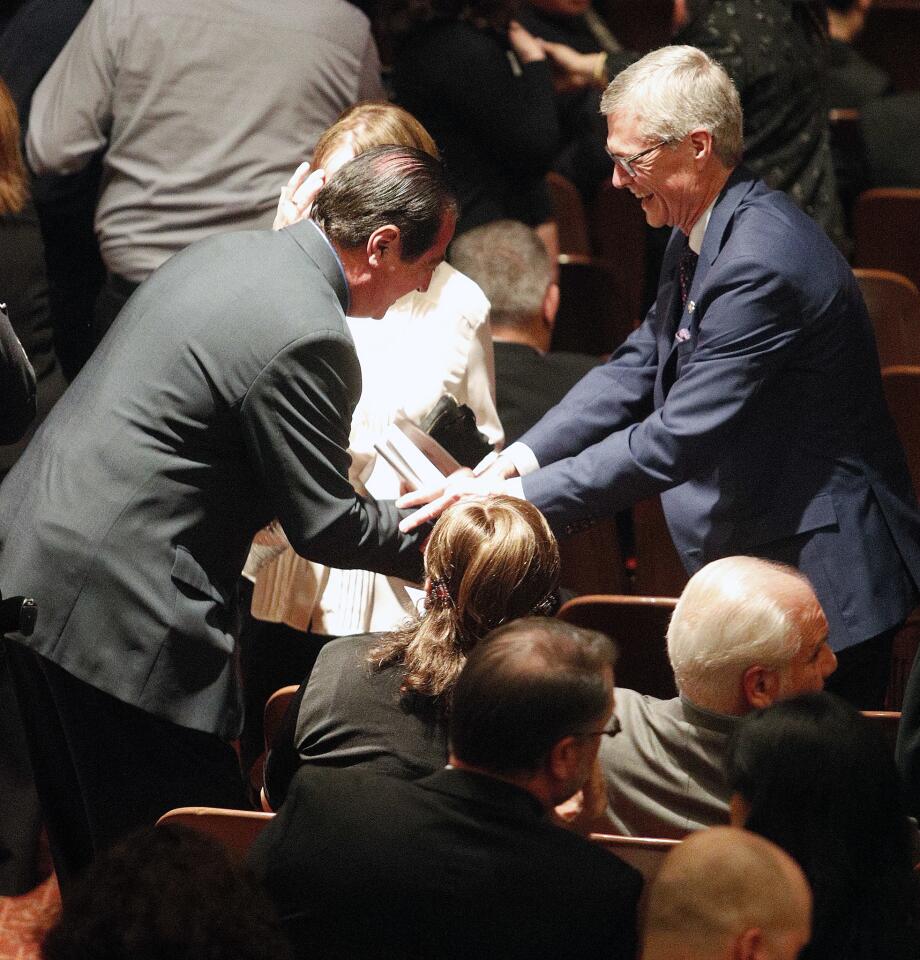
{"points": [[667, 180]]}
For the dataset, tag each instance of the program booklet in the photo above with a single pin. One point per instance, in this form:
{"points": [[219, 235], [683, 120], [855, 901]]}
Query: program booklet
{"points": [[416, 456]]}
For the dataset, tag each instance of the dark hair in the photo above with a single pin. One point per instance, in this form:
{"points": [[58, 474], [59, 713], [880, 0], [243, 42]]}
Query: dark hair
{"points": [[821, 783], [524, 687], [491, 561], [392, 184], [166, 893], [399, 18]]}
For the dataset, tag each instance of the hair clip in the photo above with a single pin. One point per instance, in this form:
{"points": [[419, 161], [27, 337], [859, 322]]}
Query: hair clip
{"points": [[547, 607], [439, 592]]}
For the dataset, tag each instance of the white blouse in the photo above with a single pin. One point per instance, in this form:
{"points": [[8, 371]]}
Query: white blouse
{"points": [[426, 345]]}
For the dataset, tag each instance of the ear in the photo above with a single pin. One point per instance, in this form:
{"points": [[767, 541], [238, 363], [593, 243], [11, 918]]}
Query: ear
{"points": [[550, 305], [761, 686], [383, 243], [701, 141], [562, 760], [750, 945]]}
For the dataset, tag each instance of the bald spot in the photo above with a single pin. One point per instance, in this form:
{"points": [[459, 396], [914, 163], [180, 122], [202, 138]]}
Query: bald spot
{"points": [[715, 885]]}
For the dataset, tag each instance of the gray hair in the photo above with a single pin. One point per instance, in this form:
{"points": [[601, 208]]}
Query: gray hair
{"points": [[677, 89], [735, 613], [509, 262]]}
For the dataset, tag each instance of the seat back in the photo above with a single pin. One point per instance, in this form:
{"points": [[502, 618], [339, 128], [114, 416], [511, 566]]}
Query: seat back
{"points": [[644, 853], [617, 229], [887, 722], [591, 317], [638, 625], [659, 571], [569, 214], [591, 561], [893, 303], [235, 829], [276, 709], [886, 230], [902, 392]]}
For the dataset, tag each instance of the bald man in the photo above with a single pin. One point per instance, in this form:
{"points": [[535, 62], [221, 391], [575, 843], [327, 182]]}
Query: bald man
{"points": [[727, 894]]}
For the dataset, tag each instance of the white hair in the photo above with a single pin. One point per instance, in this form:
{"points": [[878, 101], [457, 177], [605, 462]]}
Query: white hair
{"points": [[677, 89], [733, 614]]}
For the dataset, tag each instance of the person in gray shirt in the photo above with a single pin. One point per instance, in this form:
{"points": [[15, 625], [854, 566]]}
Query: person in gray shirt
{"points": [[202, 111], [745, 633]]}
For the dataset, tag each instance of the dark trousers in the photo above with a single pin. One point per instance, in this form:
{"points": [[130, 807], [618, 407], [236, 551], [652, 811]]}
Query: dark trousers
{"points": [[112, 297], [104, 768], [20, 815], [863, 670], [272, 655]]}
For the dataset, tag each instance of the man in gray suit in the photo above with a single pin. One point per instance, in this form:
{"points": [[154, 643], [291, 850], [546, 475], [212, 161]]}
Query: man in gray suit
{"points": [[745, 633], [221, 399]]}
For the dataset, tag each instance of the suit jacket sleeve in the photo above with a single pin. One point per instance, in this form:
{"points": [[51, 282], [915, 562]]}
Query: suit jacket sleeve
{"points": [[609, 397], [750, 322], [295, 420], [17, 385]]}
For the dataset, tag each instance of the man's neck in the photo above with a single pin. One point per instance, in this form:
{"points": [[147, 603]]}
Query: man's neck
{"points": [[513, 335], [715, 185], [527, 782]]}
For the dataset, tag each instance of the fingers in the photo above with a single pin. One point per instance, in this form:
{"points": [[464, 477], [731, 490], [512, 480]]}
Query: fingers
{"points": [[418, 498], [429, 512], [298, 195]]}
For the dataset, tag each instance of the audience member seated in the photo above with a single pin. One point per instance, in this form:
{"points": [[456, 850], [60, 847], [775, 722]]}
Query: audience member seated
{"points": [[430, 343], [509, 262], [466, 862], [166, 893], [727, 894], [150, 86], [814, 776], [889, 121], [744, 633], [572, 25], [483, 87], [774, 52], [381, 700], [23, 282]]}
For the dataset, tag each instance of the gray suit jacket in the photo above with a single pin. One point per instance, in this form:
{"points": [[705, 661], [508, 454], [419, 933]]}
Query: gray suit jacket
{"points": [[665, 771], [221, 398]]}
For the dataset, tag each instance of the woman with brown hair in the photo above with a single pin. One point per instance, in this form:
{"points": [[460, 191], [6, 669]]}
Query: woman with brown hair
{"points": [[381, 700]]}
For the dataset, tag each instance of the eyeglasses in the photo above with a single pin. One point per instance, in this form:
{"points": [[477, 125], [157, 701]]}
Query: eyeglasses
{"points": [[611, 730], [626, 163]]}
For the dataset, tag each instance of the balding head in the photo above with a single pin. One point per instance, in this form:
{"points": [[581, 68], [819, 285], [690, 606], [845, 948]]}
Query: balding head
{"points": [[727, 894], [746, 632]]}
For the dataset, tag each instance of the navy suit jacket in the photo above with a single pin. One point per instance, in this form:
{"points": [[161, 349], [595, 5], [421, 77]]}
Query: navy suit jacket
{"points": [[757, 412], [221, 398]]}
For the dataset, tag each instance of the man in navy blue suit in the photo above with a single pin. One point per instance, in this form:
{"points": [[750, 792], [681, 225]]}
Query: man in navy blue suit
{"points": [[750, 397]]}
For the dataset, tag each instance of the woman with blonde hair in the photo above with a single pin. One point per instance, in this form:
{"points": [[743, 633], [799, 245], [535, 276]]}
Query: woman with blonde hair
{"points": [[381, 700]]}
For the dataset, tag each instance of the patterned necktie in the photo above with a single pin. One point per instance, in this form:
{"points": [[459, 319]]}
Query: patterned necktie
{"points": [[685, 271]]}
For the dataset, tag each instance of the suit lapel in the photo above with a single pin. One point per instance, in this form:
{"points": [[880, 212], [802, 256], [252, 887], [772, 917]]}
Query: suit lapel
{"points": [[686, 319]]}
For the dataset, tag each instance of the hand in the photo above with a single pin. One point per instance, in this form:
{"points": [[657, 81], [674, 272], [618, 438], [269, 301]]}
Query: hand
{"points": [[298, 194], [458, 486], [582, 811], [493, 466], [527, 47], [572, 70]]}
